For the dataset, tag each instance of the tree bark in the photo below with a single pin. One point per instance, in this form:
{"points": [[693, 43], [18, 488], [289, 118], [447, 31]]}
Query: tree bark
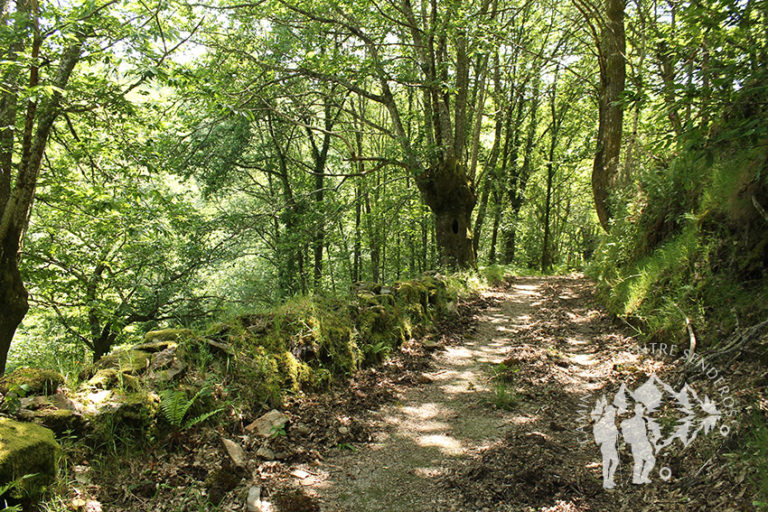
{"points": [[14, 216], [450, 195], [13, 302], [611, 113]]}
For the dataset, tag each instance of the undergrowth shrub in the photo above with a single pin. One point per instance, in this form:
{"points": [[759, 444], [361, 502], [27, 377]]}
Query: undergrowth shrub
{"points": [[689, 244]]}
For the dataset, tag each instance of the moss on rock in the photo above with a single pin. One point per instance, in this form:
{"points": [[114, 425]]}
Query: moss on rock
{"points": [[128, 415], [25, 449], [174, 335], [36, 381], [109, 378], [59, 420], [126, 361]]}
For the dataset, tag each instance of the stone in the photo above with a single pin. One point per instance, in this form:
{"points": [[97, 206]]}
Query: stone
{"points": [[235, 452], [265, 453], [165, 366], [59, 420], [33, 380], [253, 501], [156, 346], [343, 430], [268, 424], [61, 401], [301, 429], [33, 402], [25, 449], [220, 346], [125, 361], [110, 378], [164, 335]]}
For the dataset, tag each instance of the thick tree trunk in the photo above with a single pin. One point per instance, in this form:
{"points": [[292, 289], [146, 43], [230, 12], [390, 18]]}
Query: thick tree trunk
{"points": [[13, 304], [611, 112], [449, 193]]}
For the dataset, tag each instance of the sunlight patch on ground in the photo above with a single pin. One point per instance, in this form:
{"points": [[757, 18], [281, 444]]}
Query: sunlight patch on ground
{"points": [[583, 359], [527, 289], [444, 443]]}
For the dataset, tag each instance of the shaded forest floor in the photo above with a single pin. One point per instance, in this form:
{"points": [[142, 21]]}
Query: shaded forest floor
{"points": [[441, 426]]}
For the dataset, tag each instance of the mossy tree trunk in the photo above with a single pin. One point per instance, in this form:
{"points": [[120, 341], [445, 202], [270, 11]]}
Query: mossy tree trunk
{"points": [[450, 195]]}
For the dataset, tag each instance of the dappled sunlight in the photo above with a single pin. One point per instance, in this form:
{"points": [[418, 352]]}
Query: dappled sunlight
{"points": [[446, 444]]}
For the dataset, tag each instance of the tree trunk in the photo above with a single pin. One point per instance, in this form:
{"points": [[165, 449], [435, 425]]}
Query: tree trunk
{"points": [[495, 230], [611, 112], [448, 192], [13, 303]]}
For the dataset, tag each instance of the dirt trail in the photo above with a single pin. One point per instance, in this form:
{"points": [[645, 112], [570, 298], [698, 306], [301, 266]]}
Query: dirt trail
{"points": [[444, 445], [445, 418]]}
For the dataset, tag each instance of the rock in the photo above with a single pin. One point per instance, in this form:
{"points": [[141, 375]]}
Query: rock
{"points": [[430, 344], [343, 430], [365, 286], [166, 335], [235, 452], [265, 453], [301, 429], [155, 346], [34, 380], [220, 346], [33, 402], [165, 366], [61, 401], [110, 378], [82, 474], [131, 413], [27, 448], [125, 361], [59, 420], [253, 501], [268, 424]]}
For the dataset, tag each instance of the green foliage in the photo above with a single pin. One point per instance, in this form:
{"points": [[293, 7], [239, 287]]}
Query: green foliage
{"points": [[503, 396], [756, 457], [689, 248], [495, 275], [175, 406]]}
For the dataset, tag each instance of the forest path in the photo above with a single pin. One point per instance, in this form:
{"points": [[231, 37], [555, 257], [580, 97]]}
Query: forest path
{"points": [[426, 442]]}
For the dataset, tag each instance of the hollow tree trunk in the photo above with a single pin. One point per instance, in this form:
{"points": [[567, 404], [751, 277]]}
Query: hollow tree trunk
{"points": [[450, 195]]}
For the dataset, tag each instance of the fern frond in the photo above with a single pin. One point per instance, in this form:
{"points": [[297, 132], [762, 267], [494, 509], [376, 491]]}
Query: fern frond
{"points": [[199, 419], [174, 406]]}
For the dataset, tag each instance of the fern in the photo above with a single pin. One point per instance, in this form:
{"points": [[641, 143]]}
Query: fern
{"points": [[175, 405]]}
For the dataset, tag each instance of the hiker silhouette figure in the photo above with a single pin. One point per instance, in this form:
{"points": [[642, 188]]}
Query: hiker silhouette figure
{"points": [[607, 438], [635, 433]]}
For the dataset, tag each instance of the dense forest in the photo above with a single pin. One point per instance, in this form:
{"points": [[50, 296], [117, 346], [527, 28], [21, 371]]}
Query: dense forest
{"points": [[170, 164]]}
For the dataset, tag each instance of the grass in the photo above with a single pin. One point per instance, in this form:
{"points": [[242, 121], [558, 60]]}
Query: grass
{"points": [[503, 395], [756, 453]]}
